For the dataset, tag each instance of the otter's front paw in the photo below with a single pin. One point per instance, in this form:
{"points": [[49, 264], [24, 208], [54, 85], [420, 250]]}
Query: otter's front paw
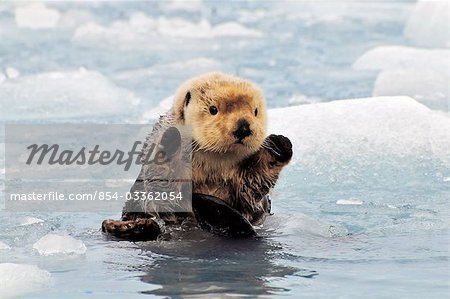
{"points": [[135, 230], [171, 141], [280, 147]]}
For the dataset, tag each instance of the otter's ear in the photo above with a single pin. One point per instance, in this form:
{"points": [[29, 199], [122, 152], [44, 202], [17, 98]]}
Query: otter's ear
{"points": [[187, 98]]}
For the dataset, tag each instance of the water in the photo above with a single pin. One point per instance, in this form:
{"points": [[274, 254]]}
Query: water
{"points": [[361, 211]]}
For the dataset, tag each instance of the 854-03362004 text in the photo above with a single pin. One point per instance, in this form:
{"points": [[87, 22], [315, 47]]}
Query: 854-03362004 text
{"points": [[97, 196]]}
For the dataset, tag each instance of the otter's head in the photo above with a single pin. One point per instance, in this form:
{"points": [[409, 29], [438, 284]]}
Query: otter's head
{"points": [[227, 114]]}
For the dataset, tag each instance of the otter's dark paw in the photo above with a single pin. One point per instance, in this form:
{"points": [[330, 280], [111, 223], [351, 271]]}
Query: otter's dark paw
{"points": [[215, 216], [280, 147], [133, 230], [171, 141]]}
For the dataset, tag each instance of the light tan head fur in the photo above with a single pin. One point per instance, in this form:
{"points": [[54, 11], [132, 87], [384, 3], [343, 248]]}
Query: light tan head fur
{"points": [[227, 114]]}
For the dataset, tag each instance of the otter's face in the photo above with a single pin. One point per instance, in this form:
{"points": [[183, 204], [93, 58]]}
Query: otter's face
{"points": [[226, 118]]}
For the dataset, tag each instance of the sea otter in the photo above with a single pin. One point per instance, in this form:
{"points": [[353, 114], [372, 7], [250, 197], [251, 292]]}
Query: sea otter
{"points": [[232, 159]]}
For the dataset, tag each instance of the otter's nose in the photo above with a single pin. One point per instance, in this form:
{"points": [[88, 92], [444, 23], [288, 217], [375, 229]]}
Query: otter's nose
{"points": [[243, 129]]}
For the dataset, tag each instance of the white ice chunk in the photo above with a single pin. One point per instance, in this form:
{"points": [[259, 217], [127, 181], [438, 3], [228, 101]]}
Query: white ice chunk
{"points": [[55, 245], [4, 246], [428, 24], [399, 57], [11, 72], [420, 73], [300, 99], [182, 5], [30, 221], [36, 16], [235, 29], [373, 137], [143, 31], [349, 201], [154, 113], [74, 18], [63, 95], [19, 279], [428, 87]]}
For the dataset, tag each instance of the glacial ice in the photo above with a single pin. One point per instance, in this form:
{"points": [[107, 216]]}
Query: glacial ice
{"points": [[30, 221], [52, 244], [401, 57], [12, 72], [428, 24], [36, 16], [182, 5], [20, 279], [383, 138], [4, 246], [143, 31], [349, 201], [420, 73], [58, 95], [154, 113], [428, 87]]}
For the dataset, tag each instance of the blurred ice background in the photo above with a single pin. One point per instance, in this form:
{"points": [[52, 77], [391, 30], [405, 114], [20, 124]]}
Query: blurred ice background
{"points": [[363, 210]]}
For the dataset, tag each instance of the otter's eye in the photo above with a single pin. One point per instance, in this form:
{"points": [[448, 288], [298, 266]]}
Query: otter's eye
{"points": [[256, 112], [213, 110]]}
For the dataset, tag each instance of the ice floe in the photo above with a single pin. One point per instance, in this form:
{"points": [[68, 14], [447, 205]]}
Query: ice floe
{"points": [[374, 137], [401, 57], [349, 201], [4, 246], [58, 95], [36, 15], [428, 87], [52, 244], [420, 73], [144, 31], [428, 24], [30, 221], [182, 5], [20, 279], [11, 72], [155, 112]]}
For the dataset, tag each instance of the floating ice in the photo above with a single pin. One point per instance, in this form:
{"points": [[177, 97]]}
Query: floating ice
{"points": [[428, 24], [4, 246], [300, 99], [399, 57], [384, 139], [420, 73], [349, 201], [20, 279], [182, 5], [54, 244], [428, 87], [143, 31], [63, 95], [154, 113], [36, 16], [12, 73], [30, 221], [74, 18]]}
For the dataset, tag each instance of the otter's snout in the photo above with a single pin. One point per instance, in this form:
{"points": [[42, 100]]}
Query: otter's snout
{"points": [[243, 129]]}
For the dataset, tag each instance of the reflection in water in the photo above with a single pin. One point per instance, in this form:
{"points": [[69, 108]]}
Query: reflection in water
{"points": [[196, 262]]}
